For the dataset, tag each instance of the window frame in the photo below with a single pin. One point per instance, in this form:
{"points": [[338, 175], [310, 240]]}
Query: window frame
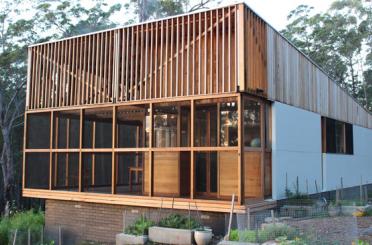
{"points": [[329, 137]]}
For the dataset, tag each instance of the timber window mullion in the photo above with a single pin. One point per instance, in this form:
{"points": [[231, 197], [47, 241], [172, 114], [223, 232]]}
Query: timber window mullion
{"points": [[114, 136], [50, 151], [81, 129]]}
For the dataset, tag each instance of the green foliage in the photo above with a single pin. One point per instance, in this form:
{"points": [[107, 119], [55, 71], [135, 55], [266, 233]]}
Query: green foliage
{"points": [[368, 212], [179, 221], [140, 227], [298, 198], [21, 221], [360, 242], [338, 40], [234, 235]]}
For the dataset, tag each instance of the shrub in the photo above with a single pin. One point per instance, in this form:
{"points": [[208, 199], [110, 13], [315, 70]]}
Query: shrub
{"points": [[269, 232], [273, 231], [140, 227], [179, 222]]}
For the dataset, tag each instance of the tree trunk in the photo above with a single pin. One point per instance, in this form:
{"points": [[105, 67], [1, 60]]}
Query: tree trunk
{"points": [[6, 162]]}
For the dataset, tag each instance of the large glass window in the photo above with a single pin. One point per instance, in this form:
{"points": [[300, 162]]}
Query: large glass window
{"points": [[38, 130], [37, 170], [228, 124], [66, 171], [252, 123], [133, 126], [206, 169], [205, 125], [172, 125], [337, 136], [97, 173], [66, 129], [216, 122], [97, 128], [131, 168]]}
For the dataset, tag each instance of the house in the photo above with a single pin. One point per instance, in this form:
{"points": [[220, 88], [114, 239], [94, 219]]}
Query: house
{"points": [[183, 113]]}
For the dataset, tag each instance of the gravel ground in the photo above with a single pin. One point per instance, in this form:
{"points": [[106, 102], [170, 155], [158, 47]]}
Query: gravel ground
{"points": [[339, 230], [365, 228]]}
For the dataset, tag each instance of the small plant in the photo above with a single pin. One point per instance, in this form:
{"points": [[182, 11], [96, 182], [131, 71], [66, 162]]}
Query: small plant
{"points": [[179, 222], [234, 235], [140, 227], [298, 198]]}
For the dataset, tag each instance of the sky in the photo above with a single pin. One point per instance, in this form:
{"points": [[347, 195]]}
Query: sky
{"points": [[273, 11]]}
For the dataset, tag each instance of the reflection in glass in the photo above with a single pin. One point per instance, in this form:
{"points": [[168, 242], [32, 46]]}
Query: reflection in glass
{"points": [[171, 125], [252, 123], [228, 124], [205, 125], [339, 137]]}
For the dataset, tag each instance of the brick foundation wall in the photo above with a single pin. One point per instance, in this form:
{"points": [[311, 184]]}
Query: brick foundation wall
{"points": [[81, 221]]}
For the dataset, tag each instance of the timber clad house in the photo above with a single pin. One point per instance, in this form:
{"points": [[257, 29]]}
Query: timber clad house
{"points": [[183, 113]]}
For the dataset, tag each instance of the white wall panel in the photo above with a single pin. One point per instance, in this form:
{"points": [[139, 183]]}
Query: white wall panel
{"points": [[296, 152], [296, 149]]}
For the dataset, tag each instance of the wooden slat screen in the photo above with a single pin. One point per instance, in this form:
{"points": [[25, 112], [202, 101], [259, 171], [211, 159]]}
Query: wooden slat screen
{"points": [[75, 71], [186, 55], [256, 57]]}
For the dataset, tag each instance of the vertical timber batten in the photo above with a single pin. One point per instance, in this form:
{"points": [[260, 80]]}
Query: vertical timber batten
{"points": [[241, 47]]}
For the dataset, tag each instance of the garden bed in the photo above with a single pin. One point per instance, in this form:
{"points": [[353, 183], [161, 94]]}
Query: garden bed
{"points": [[124, 239], [167, 235]]}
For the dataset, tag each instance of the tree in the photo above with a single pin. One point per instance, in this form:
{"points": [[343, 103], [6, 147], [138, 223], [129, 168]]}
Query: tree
{"points": [[338, 41], [13, 55], [52, 19], [155, 9], [70, 18]]}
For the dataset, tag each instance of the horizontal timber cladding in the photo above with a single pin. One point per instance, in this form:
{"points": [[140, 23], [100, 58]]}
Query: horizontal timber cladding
{"points": [[186, 55], [295, 80]]}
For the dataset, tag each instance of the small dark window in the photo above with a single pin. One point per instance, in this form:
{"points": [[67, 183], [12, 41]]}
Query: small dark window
{"points": [[337, 136]]}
